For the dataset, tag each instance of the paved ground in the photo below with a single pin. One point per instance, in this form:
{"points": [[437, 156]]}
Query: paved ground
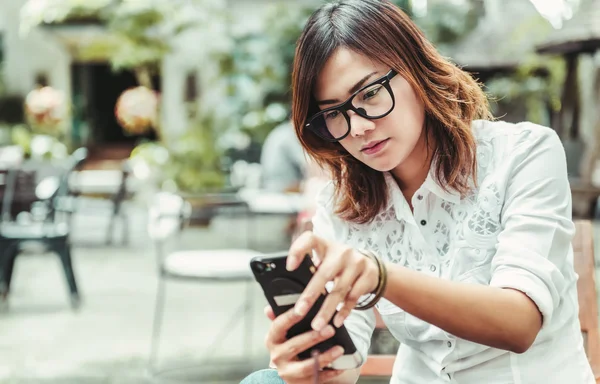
{"points": [[108, 340]]}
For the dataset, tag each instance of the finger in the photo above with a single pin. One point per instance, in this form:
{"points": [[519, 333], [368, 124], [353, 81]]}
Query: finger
{"points": [[338, 294], [328, 375], [269, 313], [279, 327], [289, 350], [316, 286], [364, 284], [305, 369], [304, 245], [360, 288]]}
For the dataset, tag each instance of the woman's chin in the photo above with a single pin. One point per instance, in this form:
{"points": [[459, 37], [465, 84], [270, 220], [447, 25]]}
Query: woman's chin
{"points": [[385, 165]]}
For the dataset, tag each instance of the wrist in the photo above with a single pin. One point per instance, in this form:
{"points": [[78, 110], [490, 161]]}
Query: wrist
{"points": [[377, 274], [373, 273]]}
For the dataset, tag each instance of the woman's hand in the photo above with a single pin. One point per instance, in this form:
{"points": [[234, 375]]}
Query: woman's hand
{"points": [[353, 274], [283, 352]]}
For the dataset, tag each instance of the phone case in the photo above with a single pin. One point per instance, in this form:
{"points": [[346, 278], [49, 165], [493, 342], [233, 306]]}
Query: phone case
{"points": [[282, 288]]}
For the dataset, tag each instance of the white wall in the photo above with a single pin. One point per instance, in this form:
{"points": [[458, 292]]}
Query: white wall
{"points": [[33, 54]]}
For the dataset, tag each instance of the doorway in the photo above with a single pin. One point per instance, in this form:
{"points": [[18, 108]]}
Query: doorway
{"points": [[96, 88]]}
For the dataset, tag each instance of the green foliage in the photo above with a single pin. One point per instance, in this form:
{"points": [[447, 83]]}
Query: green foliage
{"points": [[145, 30], [405, 5], [47, 147], [537, 82], [21, 136], [195, 159], [444, 22], [192, 164], [37, 12], [139, 33], [258, 70]]}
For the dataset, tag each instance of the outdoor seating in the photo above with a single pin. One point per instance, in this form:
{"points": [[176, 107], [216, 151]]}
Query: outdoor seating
{"points": [[45, 223], [168, 216]]}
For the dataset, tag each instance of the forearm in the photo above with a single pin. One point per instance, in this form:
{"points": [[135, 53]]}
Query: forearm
{"points": [[348, 377], [500, 318]]}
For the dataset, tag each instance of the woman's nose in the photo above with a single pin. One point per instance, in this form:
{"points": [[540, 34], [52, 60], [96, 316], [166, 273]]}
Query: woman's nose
{"points": [[359, 125]]}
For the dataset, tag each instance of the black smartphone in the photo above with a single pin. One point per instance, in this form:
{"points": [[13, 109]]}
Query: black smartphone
{"points": [[283, 288]]}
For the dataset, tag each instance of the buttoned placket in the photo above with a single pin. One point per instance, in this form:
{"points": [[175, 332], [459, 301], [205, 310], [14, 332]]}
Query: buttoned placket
{"points": [[421, 215]]}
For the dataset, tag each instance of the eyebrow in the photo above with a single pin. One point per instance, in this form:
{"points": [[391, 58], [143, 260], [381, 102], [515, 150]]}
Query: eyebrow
{"points": [[352, 90]]}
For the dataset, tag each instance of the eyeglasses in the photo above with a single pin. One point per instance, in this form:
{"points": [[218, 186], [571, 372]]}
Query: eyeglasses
{"points": [[373, 101]]}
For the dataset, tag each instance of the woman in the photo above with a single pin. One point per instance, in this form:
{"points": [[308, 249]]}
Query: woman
{"points": [[470, 217]]}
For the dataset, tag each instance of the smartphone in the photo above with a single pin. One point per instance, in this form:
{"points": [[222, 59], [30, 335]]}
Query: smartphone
{"points": [[282, 288]]}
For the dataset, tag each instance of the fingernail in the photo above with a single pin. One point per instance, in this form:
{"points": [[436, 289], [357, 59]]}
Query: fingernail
{"points": [[338, 351], [289, 263], [318, 323], [338, 320], [327, 331], [301, 308]]}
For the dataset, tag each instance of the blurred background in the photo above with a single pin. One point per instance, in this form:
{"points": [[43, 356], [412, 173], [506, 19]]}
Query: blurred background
{"points": [[146, 155]]}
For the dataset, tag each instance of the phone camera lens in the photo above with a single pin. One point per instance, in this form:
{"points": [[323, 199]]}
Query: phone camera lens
{"points": [[259, 267]]}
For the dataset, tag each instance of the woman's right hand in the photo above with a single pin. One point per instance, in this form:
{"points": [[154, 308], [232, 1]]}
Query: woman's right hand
{"points": [[283, 351]]}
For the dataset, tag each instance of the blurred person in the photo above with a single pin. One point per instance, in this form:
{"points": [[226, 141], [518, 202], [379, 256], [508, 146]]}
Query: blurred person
{"points": [[456, 227], [315, 179], [283, 165], [283, 160]]}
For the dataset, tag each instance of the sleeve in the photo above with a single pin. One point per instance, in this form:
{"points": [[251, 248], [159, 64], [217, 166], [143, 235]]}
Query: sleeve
{"points": [[360, 324], [534, 244]]}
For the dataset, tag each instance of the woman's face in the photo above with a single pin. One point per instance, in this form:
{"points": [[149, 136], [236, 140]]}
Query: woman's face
{"points": [[383, 144]]}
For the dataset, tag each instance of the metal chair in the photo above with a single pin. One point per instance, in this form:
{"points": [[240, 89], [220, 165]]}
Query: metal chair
{"points": [[43, 225], [168, 216], [105, 192]]}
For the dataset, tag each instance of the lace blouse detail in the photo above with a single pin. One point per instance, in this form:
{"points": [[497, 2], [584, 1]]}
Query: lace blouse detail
{"points": [[512, 231]]}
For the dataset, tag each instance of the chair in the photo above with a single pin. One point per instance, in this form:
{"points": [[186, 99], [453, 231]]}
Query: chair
{"points": [[108, 190], [583, 249], [168, 216], [117, 200], [42, 225]]}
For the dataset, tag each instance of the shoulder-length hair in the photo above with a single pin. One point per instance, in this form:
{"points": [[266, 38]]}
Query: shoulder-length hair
{"points": [[452, 98]]}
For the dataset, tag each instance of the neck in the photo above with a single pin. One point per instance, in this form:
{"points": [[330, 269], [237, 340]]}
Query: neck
{"points": [[413, 171]]}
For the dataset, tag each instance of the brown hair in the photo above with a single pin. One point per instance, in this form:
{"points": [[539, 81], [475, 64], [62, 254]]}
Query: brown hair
{"points": [[452, 99]]}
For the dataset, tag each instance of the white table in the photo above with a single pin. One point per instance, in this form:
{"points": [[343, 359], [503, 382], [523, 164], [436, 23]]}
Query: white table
{"points": [[273, 203]]}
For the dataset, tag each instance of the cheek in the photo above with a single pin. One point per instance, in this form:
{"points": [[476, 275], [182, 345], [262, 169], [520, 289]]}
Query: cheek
{"points": [[350, 146], [405, 125]]}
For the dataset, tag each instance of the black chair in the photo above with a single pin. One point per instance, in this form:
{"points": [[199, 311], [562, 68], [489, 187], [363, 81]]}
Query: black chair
{"points": [[117, 200], [47, 222], [104, 194]]}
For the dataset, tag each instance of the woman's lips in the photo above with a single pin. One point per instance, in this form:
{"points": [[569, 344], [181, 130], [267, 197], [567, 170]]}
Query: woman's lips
{"points": [[375, 148]]}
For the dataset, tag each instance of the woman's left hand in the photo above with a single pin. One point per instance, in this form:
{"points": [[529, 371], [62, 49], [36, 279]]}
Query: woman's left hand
{"points": [[353, 274]]}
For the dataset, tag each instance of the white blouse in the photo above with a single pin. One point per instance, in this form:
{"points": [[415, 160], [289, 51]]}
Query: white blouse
{"points": [[513, 231]]}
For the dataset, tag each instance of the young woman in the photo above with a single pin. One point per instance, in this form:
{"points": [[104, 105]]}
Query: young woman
{"points": [[469, 218]]}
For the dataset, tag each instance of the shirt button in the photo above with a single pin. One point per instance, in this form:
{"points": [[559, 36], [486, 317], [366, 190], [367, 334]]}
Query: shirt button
{"points": [[419, 197], [449, 344], [432, 268], [423, 222]]}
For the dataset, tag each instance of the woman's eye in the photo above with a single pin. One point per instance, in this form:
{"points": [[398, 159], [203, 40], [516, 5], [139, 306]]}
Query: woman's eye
{"points": [[371, 93], [332, 115]]}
